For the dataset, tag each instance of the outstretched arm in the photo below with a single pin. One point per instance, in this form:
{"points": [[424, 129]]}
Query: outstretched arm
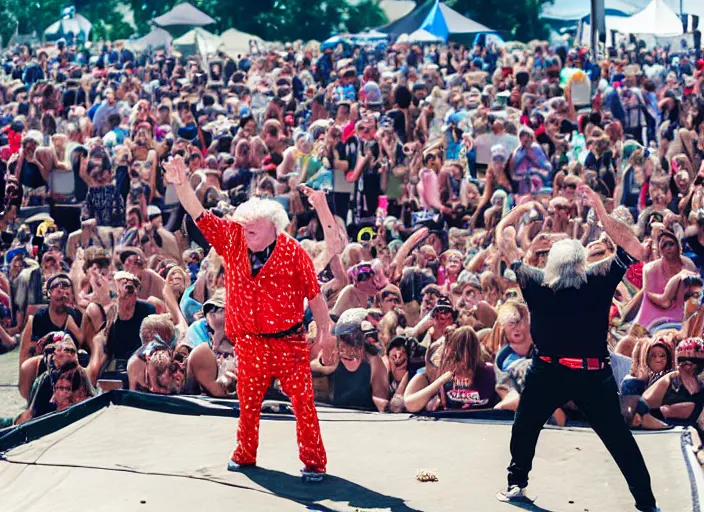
{"points": [[619, 232]]}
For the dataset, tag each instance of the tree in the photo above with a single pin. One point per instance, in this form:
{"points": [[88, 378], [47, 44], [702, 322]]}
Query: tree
{"points": [[365, 15], [515, 19]]}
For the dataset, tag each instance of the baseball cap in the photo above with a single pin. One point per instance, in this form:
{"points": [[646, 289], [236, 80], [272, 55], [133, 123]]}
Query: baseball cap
{"points": [[216, 301], [350, 321], [120, 275]]}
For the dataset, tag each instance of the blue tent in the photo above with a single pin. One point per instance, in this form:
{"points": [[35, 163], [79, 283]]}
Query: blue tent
{"points": [[438, 19]]}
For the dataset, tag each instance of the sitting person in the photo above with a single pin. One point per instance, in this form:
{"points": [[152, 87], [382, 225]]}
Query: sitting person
{"points": [[210, 278], [120, 338], [163, 369], [464, 381], [354, 374], [211, 328], [442, 316], [60, 357], [398, 356], [366, 278], [57, 316], [212, 366], [678, 397], [651, 360], [157, 329]]}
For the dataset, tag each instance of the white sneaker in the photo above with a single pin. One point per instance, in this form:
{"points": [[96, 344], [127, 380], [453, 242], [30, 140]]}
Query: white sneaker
{"points": [[514, 494]]}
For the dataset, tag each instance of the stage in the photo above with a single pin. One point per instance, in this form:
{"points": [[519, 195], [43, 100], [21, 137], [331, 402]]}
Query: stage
{"points": [[116, 453]]}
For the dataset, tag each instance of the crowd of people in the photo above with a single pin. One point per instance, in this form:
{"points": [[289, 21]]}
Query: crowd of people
{"points": [[406, 172]]}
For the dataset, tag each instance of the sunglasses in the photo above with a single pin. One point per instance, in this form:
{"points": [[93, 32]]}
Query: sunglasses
{"points": [[68, 350], [668, 244], [364, 276], [63, 285], [562, 207]]}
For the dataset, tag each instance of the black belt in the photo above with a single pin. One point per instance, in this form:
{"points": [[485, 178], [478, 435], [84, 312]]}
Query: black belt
{"points": [[295, 329]]}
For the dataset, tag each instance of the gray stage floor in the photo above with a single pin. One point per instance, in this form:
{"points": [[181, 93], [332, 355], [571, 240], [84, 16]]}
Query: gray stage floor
{"points": [[128, 459]]}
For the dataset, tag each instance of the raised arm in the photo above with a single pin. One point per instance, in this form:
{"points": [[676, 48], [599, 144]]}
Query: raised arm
{"points": [[506, 238], [416, 238], [177, 176], [335, 240], [620, 233]]}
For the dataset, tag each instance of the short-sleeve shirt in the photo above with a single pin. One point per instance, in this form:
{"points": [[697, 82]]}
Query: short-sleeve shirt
{"points": [[271, 302], [572, 322]]}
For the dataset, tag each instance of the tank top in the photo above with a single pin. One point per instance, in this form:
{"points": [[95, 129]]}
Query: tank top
{"points": [[353, 389], [42, 324], [123, 338]]}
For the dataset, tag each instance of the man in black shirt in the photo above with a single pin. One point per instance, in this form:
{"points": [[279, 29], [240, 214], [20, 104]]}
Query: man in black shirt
{"points": [[120, 338], [569, 296]]}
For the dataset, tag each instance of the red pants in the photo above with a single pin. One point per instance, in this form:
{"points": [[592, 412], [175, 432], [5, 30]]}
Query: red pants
{"points": [[259, 361]]}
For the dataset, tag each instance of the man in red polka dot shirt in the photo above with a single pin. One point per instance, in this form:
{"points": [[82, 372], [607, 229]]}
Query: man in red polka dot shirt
{"points": [[268, 278]]}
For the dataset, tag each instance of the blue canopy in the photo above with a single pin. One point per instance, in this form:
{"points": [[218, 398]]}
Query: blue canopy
{"points": [[436, 18]]}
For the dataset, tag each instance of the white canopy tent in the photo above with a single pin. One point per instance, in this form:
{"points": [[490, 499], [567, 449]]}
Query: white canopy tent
{"points": [[423, 36], [236, 43], [157, 39], [197, 40], [184, 14], [657, 19]]}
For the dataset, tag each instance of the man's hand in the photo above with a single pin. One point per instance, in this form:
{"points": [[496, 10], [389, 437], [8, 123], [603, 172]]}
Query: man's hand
{"points": [[316, 197], [591, 198], [176, 171], [328, 349]]}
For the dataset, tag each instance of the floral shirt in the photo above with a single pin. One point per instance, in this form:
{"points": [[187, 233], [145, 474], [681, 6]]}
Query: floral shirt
{"points": [[105, 204]]}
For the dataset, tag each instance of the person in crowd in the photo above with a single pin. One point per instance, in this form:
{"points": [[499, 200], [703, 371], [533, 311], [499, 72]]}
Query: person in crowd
{"points": [[151, 284], [677, 397], [119, 338], [355, 372], [57, 316]]}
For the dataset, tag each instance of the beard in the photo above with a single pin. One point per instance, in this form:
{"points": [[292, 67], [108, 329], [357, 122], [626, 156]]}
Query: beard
{"points": [[565, 266]]}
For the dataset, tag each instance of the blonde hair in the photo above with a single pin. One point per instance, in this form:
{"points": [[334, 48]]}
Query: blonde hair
{"points": [[154, 325]]}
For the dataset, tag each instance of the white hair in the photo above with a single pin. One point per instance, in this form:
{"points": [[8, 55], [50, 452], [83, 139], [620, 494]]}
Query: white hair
{"points": [[566, 265], [262, 209]]}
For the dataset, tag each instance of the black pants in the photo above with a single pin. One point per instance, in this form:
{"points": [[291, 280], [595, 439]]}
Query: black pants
{"points": [[550, 385]]}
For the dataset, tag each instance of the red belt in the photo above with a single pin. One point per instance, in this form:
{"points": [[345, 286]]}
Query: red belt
{"points": [[577, 363]]}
